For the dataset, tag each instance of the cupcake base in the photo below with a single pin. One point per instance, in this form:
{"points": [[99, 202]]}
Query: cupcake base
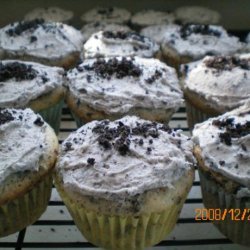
{"points": [[123, 232], [15, 215], [53, 115], [234, 227]]}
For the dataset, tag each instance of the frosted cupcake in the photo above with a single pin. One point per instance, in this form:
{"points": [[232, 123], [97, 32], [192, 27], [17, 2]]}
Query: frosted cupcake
{"points": [[108, 15], [222, 151], [53, 44], [191, 42], [124, 182], [120, 43], [91, 28], [196, 14], [33, 85], [50, 14], [110, 88], [28, 152], [215, 85], [146, 18]]}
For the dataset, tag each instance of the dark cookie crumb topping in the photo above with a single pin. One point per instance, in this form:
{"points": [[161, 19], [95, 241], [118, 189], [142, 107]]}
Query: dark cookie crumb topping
{"points": [[120, 137], [227, 63], [91, 161], [123, 35], [16, 70], [154, 77], [188, 29], [5, 116], [23, 26], [113, 67], [39, 121], [232, 130]]}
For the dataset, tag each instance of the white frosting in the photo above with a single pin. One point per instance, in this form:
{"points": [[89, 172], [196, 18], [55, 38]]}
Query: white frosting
{"points": [[51, 14], [231, 161], [197, 45], [109, 15], [113, 174], [22, 143], [197, 14], [134, 45], [119, 95], [155, 32], [222, 89], [53, 40], [152, 17], [18, 93], [91, 28]]}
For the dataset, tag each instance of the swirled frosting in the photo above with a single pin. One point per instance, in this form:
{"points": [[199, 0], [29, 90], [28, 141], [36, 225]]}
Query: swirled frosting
{"points": [[91, 28], [152, 17], [108, 15], [22, 141], [197, 14], [222, 80], [119, 43], [39, 39], [116, 85], [22, 82], [51, 14], [225, 144], [196, 41], [124, 157]]}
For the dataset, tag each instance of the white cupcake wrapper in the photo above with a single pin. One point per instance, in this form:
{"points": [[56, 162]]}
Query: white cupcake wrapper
{"points": [[53, 116], [214, 196], [15, 215], [194, 115]]}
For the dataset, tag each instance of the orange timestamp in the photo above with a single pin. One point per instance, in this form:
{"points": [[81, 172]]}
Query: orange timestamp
{"points": [[218, 214]]}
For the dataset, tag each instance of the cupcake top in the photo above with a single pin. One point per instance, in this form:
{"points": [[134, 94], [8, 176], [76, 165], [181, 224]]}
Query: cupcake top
{"points": [[39, 39], [197, 14], [50, 14], [91, 28], [155, 32], [23, 142], [225, 144], [196, 40], [22, 82], [116, 85], [151, 17], [109, 15], [129, 156], [222, 80], [119, 43]]}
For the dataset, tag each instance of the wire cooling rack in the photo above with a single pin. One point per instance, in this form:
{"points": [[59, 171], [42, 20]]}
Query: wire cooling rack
{"points": [[56, 230]]}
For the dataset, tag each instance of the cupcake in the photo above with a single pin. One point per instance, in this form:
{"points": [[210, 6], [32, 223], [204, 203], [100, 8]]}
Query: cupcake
{"points": [[53, 44], [124, 182], [91, 28], [28, 152], [146, 18], [120, 43], [191, 42], [109, 88], [196, 14], [33, 85], [108, 15], [222, 151], [215, 85], [155, 32], [50, 14]]}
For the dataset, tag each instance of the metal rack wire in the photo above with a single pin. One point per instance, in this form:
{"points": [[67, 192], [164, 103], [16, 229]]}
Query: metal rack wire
{"points": [[56, 229]]}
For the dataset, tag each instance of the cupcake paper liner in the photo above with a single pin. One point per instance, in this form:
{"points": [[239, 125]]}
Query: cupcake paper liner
{"points": [[53, 116], [15, 215], [194, 115], [121, 231], [214, 196]]}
